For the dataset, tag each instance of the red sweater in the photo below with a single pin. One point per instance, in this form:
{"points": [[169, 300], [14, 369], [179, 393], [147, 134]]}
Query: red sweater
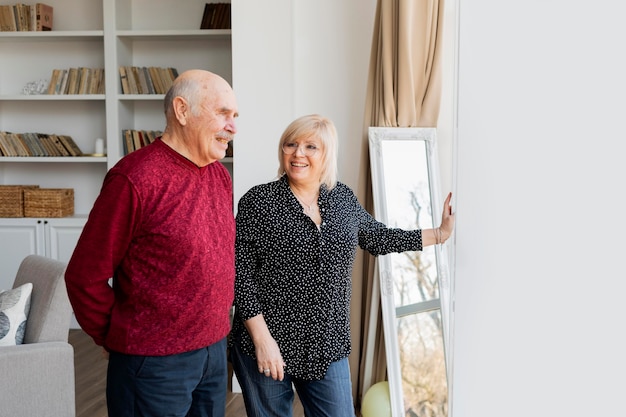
{"points": [[164, 230]]}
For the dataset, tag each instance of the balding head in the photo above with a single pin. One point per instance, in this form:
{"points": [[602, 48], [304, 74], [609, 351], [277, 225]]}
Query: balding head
{"points": [[194, 86]]}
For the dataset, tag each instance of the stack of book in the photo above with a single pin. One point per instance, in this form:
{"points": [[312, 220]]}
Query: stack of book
{"points": [[216, 16], [22, 17], [146, 80], [37, 144], [135, 139], [79, 80]]}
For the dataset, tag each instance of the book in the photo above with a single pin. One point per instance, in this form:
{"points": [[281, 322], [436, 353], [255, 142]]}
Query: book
{"points": [[20, 17], [142, 81], [156, 80], [25, 139], [53, 80], [18, 144], [59, 81], [166, 79], [6, 145], [32, 23], [35, 145], [94, 81], [132, 81], [5, 12], [85, 74], [70, 145], [72, 81], [149, 82], [216, 16], [137, 143], [128, 141], [43, 19], [59, 145], [207, 16], [45, 141], [139, 88], [124, 80], [63, 89], [100, 82]]}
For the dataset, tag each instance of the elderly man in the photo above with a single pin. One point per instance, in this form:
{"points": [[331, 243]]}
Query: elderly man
{"points": [[163, 229]]}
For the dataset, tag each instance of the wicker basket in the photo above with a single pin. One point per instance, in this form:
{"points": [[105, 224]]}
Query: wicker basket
{"points": [[48, 202], [12, 200]]}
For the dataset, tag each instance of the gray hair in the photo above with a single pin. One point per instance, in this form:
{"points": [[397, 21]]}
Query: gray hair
{"points": [[187, 88]]}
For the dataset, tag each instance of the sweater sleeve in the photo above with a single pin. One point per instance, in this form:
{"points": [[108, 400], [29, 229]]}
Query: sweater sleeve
{"points": [[99, 252]]}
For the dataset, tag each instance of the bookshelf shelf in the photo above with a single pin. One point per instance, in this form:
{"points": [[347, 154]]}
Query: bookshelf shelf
{"points": [[53, 97], [173, 34], [139, 97], [54, 35], [54, 159]]}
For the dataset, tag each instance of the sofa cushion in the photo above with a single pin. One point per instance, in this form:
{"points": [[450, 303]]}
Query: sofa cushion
{"points": [[14, 308]]}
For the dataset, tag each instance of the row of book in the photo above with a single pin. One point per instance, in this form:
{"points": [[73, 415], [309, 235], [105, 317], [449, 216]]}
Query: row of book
{"points": [[216, 16], [80, 80], [135, 139], [146, 80], [23, 17], [37, 144]]}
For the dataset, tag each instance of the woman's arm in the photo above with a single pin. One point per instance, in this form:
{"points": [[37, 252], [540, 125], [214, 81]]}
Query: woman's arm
{"points": [[267, 351]]}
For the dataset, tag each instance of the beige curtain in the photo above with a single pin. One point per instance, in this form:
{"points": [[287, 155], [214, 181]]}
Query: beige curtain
{"points": [[404, 90]]}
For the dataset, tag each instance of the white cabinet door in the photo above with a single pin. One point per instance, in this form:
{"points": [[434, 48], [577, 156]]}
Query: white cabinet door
{"points": [[62, 236], [19, 238]]}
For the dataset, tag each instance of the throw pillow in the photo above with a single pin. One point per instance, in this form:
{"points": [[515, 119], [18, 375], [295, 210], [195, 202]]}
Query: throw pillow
{"points": [[14, 308]]}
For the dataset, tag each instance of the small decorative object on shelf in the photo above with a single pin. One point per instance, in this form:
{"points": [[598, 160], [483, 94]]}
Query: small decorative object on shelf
{"points": [[33, 88], [99, 147]]}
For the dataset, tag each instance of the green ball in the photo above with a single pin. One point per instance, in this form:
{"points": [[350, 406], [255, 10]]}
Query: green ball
{"points": [[376, 401]]}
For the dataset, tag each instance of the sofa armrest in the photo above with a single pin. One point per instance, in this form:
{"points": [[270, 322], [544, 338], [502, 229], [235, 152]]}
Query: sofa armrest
{"points": [[37, 380]]}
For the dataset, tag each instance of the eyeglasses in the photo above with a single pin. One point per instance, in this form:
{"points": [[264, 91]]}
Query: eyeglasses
{"points": [[308, 149]]}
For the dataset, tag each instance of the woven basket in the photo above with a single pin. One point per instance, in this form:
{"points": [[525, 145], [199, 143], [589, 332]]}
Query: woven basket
{"points": [[48, 202], [12, 200]]}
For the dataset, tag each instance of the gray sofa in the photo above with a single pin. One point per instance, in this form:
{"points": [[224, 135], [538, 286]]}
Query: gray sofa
{"points": [[37, 377]]}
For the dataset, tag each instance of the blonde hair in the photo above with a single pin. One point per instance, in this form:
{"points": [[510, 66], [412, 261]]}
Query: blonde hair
{"points": [[314, 125]]}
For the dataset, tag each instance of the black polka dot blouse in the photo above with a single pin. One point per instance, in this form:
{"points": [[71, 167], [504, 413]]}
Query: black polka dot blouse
{"points": [[299, 276]]}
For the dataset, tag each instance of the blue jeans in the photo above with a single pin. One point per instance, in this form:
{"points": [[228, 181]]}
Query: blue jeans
{"points": [[190, 384], [264, 397]]}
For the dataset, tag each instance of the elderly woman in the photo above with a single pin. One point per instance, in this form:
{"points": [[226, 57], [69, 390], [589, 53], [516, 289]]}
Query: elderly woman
{"points": [[295, 248]]}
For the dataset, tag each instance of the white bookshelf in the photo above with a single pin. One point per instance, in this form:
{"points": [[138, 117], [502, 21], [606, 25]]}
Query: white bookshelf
{"points": [[105, 34]]}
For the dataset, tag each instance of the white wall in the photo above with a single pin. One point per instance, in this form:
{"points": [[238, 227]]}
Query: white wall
{"points": [[292, 58], [539, 273]]}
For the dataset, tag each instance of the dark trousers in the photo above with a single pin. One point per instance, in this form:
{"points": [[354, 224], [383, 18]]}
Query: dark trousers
{"points": [[190, 384]]}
